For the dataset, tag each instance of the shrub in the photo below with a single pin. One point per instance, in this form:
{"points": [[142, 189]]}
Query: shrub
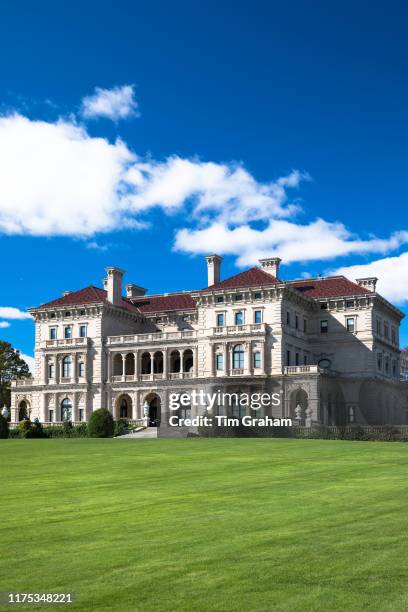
{"points": [[121, 427], [4, 427], [24, 428], [101, 424]]}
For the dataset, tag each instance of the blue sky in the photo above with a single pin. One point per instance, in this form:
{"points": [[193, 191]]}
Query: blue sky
{"points": [[244, 124]]}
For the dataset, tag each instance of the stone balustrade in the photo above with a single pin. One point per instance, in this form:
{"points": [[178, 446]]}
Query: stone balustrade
{"points": [[152, 337]]}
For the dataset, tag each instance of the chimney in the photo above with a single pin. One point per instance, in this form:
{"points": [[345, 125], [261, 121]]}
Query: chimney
{"points": [[213, 269], [134, 290], [271, 265], [114, 285], [368, 283], [64, 293]]}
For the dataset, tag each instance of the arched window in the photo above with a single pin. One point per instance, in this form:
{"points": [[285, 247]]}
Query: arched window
{"points": [[66, 366], [66, 410], [238, 357]]}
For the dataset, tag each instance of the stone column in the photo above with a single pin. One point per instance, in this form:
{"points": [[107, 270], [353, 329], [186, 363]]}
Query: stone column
{"points": [[74, 367], [44, 367], [108, 366], [181, 362], [230, 359], [151, 363], [136, 358], [212, 360], [43, 407], [263, 357], [56, 369], [195, 362], [74, 415], [123, 365], [249, 364], [165, 362]]}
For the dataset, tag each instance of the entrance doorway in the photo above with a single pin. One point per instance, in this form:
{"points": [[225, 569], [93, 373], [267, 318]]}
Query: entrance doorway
{"points": [[154, 415]]}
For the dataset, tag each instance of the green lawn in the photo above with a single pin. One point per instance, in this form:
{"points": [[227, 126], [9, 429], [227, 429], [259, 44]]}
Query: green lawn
{"points": [[199, 524]]}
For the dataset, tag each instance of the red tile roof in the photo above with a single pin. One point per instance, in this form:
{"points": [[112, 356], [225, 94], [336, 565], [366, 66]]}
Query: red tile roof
{"points": [[333, 286], [249, 278], [164, 303], [89, 295]]}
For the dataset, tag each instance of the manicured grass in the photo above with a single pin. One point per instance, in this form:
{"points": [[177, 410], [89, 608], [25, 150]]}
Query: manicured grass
{"points": [[199, 524]]}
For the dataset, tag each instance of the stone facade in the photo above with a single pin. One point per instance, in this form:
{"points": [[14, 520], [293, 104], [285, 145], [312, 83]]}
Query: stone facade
{"points": [[328, 346]]}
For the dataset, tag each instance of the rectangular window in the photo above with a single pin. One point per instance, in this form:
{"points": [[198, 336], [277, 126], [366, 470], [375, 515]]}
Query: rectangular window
{"points": [[387, 365], [239, 318], [68, 331], [379, 362], [51, 370], [288, 358], [350, 324], [81, 369], [287, 317], [220, 298], [257, 296], [258, 316], [219, 362], [350, 304], [394, 368], [296, 322], [304, 359], [51, 416], [297, 359], [238, 411], [324, 327], [393, 335], [81, 414], [53, 333], [257, 359], [220, 319], [386, 331], [378, 327], [238, 297], [323, 306], [305, 325], [83, 331]]}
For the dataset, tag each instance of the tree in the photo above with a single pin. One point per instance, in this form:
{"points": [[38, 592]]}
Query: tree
{"points": [[11, 366]]}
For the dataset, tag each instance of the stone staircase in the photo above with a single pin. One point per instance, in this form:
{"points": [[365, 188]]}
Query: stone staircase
{"points": [[150, 432]]}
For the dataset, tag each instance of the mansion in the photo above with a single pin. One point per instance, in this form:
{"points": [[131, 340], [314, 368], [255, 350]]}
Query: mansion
{"points": [[328, 346]]}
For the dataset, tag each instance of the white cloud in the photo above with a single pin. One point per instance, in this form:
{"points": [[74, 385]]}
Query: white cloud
{"points": [[9, 312], [57, 180], [226, 190], [292, 242], [29, 361], [392, 273], [117, 103], [4, 324]]}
